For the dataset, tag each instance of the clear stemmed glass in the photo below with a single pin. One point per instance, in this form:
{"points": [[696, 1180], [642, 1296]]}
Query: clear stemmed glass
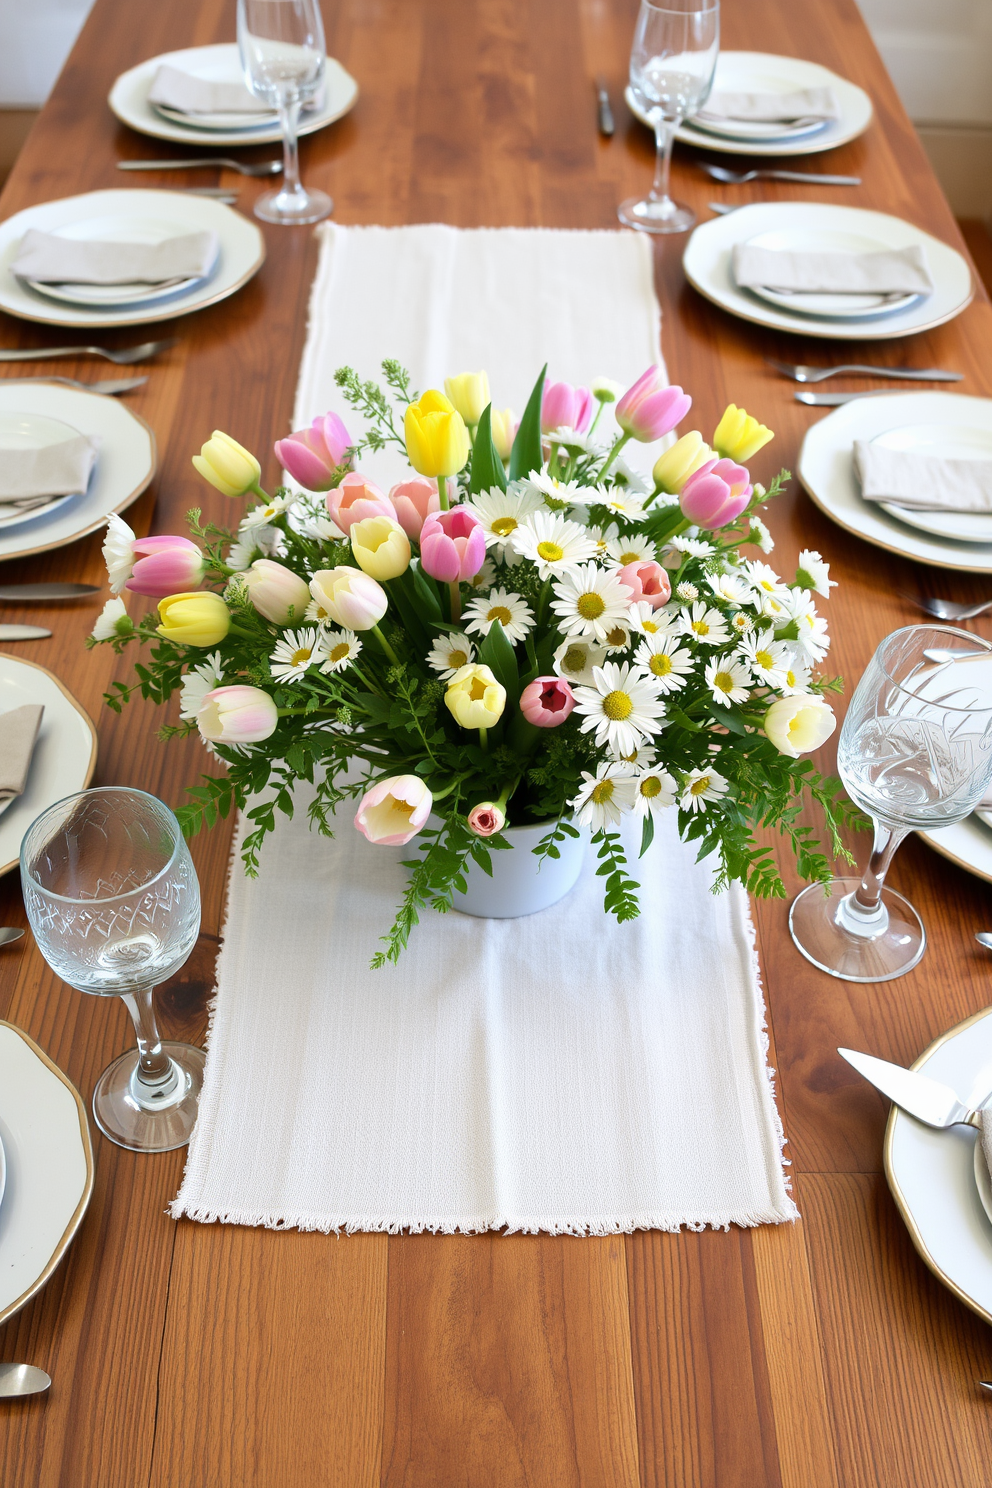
{"points": [[672, 61], [282, 54], [915, 753], [114, 904]]}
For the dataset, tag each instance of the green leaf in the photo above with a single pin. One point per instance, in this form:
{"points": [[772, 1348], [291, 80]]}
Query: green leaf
{"points": [[426, 591], [487, 467], [647, 834], [526, 454], [497, 654]]}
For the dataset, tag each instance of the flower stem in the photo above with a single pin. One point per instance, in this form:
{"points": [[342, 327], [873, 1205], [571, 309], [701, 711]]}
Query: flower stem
{"points": [[455, 592], [260, 492], [614, 452], [385, 645], [442, 491], [483, 738]]}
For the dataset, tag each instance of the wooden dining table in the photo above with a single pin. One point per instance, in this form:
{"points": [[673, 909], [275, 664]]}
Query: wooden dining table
{"points": [[820, 1354]]}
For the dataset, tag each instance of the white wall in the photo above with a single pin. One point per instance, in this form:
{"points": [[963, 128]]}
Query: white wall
{"points": [[36, 36]]}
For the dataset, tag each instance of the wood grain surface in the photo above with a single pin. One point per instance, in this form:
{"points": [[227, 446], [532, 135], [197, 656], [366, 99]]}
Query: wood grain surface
{"points": [[190, 1356]]}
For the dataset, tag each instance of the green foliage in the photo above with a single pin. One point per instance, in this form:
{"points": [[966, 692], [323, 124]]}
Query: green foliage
{"points": [[526, 454], [487, 468]]}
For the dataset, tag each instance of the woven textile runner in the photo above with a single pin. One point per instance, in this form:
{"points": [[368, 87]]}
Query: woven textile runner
{"points": [[559, 1072]]}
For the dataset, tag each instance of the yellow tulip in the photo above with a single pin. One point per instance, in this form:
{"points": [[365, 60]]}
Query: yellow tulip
{"points": [[225, 464], [381, 547], [436, 436], [469, 393], [504, 426], [739, 436], [196, 619], [474, 698], [673, 468]]}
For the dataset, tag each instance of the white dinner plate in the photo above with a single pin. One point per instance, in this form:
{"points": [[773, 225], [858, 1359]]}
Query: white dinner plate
{"points": [[932, 1173], [826, 469], [46, 1137], [967, 843], [221, 63], [115, 229], [64, 755], [708, 262], [131, 210], [240, 124], [764, 72], [949, 443], [754, 129], [833, 306], [124, 465], [20, 431]]}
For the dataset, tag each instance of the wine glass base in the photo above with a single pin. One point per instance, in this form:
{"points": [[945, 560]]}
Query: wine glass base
{"points": [[120, 1117], [655, 217], [293, 208], [820, 924]]}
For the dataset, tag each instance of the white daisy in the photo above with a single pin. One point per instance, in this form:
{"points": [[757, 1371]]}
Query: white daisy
{"points": [[298, 650], [772, 607], [767, 657], [118, 552], [655, 790], [318, 527], [797, 675], [501, 513], [759, 534], [271, 542], [700, 786], [197, 682], [743, 624], [572, 440], [694, 546], [602, 537], [640, 758], [621, 502], [764, 580], [554, 544], [242, 554], [812, 639], [590, 601], [556, 494], [648, 621], [341, 648], [605, 796], [732, 587], [315, 611], [617, 638], [728, 680], [623, 706], [687, 591], [633, 482], [814, 574], [487, 575], [113, 621], [708, 626], [575, 659], [449, 653], [668, 662], [632, 549], [263, 514], [512, 612]]}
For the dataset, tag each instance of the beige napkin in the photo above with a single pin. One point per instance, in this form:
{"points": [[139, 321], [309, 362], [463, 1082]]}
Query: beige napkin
{"points": [[923, 482], [31, 477], [772, 108], [193, 95], [892, 271], [55, 260], [18, 733]]}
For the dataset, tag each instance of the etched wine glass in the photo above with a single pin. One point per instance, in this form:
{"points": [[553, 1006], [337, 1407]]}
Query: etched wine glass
{"points": [[915, 753], [672, 61], [282, 49], [114, 904]]}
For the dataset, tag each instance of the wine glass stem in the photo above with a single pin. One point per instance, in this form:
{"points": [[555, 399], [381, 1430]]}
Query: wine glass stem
{"points": [[289, 118], [664, 136], [869, 893], [154, 1065]]}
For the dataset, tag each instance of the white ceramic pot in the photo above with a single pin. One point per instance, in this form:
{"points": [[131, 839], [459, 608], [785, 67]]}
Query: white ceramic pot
{"points": [[521, 883]]}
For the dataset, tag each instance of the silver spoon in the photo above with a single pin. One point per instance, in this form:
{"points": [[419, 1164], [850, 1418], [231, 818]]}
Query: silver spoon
{"points": [[741, 178], [131, 354], [22, 1379], [799, 372], [948, 609], [8, 934], [984, 938], [246, 168]]}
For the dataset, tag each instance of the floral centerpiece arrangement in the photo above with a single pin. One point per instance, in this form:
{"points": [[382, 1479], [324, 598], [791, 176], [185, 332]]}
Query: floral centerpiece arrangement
{"points": [[521, 631]]}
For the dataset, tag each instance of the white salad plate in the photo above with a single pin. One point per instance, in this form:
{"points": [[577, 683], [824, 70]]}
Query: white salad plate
{"points": [[20, 431], [117, 229], [948, 442], [932, 1173], [125, 463], [826, 469], [967, 843], [708, 264], [221, 63], [136, 216], [764, 72], [46, 1137], [64, 755], [833, 306]]}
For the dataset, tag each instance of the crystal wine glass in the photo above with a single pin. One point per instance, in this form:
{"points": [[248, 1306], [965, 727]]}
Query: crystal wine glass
{"points": [[915, 753], [282, 55], [672, 61], [114, 903]]}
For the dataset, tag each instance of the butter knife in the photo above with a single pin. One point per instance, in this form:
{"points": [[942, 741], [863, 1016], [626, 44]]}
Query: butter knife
{"points": [[837, 400], [928, 1100], [604, 113], [23, 633], [22, 1379], [24, 592]]}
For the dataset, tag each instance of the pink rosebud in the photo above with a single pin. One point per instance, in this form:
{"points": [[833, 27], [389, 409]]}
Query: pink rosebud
{"points": [[650, 409], [547, 701], [277, 592], [394, 810], [311, 456], [649, 581], [355, 499], [237, 715], [452, 545], [413, 501], [566, 407], [165, 565], [486, 819], [716, 494]]}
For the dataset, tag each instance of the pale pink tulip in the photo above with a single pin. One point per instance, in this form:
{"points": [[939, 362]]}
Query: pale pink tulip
{"points": [[452, 545], [649, 581], [355, 499], [547, 701], [277, 592], [650, 409], [414, 500], [486, 819], [164, 566], [237, 715], [716, 494], [311, 456], [566, 407], [393, 812], [351, 598]]}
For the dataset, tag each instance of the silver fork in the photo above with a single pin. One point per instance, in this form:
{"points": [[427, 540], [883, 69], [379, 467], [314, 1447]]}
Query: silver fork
{"points": [[741, 178], [247, 168], [115, 385], [126, 358], [948, 609], [801, 373]]}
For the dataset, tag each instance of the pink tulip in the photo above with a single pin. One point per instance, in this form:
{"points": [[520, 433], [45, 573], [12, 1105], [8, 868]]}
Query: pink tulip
{"points": [[566, 407], [276, 591], [311, 456], [649, 581], [237, 715], [716, 494], [413, 501], [650, 409], [394, 810], [486, 819], [351, 598], [547, 701], [452, 545], [355, 499], [165, 565]]}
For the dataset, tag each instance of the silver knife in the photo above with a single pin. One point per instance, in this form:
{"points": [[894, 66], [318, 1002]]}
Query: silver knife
{"points": [[836, 400], [22, 1379], [604, 112], [928, 1100], [46, 591], [23, 633]]}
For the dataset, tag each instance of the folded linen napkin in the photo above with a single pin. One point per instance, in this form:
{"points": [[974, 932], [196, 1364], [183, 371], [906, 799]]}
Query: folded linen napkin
{"points": [[195, 95], [922, 482], [772, 108], [18, 734], [891, 271], [54, 260]]}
